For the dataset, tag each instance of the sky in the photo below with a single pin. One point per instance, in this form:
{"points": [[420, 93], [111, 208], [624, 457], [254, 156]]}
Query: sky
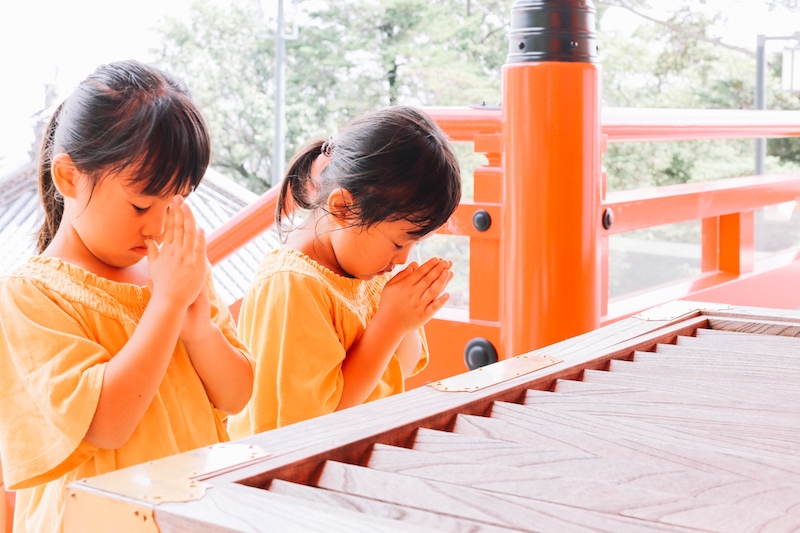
{"points": [[62, 41]]}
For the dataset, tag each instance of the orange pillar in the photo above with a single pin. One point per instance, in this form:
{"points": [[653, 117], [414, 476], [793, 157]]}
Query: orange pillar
{"points": [[551, 197]]}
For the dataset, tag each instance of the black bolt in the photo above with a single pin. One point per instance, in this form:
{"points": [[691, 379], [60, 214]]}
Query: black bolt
{"points": [[479, 352], [521, 45], [608, 218], [481, 220]]}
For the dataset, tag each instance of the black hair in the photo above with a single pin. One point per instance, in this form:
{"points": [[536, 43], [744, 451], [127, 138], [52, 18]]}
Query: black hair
{"points": [[396, 163], [125, 114]]}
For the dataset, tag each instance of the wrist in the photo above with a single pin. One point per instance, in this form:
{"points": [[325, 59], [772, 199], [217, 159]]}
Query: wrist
{"points": [[201, 335], [389, 326]]}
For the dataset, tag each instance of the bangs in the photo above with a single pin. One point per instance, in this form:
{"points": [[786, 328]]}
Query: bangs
{"points": [[175, 152]]}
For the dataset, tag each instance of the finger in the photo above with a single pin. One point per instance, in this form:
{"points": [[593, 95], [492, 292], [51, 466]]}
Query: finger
{"points": [[426, 268], [434, 273], [200, 245], [189, 228], [169, 225], [438, 285], [437, 304], [403, 274], [178, 229]]}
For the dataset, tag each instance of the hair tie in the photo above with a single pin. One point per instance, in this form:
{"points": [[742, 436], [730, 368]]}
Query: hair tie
{"points": [[327, 147]]}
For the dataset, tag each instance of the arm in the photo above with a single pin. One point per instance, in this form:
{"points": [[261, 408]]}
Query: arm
{"points": [[409, 351], [134, 374], [408, 302], [225, 372]]}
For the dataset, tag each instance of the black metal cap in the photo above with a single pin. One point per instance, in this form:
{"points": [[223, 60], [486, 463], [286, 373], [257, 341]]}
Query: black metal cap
{"points": [[552, 30]]}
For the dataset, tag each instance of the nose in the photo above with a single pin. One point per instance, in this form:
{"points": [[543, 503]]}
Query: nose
{"points": [[402, 254], [154, 222]]}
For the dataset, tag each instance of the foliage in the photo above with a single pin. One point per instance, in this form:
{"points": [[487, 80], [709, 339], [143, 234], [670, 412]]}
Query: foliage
{"points": [[351, 56]]}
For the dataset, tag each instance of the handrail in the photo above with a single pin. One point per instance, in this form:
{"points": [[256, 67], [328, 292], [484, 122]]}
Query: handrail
{"points": [[243, 227], [670, 204], [622, 124], [628, 124]]}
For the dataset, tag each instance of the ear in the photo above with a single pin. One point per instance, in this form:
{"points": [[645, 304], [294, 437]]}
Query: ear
{"points": [[65, 175], [340, 204]]}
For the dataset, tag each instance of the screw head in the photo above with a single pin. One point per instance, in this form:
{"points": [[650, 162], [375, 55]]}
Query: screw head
{"points": [[481, 220], [479, 352], [608, 218]]}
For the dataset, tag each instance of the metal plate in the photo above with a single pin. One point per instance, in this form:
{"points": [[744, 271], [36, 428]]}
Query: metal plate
{"points": [[489, 375], [176, 478], [679, 308]]}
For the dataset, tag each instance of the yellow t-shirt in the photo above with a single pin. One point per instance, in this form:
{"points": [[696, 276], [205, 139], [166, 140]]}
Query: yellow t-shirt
{"points": [[299, 319], [59, 326]]}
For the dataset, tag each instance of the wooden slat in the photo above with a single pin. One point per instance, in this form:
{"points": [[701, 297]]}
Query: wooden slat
{"points": [[641, 431], [709, 499], [616, 442], [667, 414], [680, 384], [236, 508], [505, 510], [374, 507], [686, 396], [496, 451], [667, 481]]}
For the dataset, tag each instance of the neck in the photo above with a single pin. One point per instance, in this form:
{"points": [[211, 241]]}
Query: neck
{"points": [[313, 238]]}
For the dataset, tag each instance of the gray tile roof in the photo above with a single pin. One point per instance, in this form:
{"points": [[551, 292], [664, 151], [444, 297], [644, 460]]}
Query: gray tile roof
{"points": [[216, 200]]}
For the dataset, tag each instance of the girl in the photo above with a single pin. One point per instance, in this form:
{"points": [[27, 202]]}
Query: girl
{"points": [[114, 348], [327, 323]]}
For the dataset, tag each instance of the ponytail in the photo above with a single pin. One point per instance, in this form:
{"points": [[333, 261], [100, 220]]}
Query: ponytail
{"points": [[298, 186], [52, 201]]}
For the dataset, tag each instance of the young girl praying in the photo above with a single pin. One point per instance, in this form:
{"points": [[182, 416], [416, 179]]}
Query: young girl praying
{"points": [[114, 347], [328, 323]]}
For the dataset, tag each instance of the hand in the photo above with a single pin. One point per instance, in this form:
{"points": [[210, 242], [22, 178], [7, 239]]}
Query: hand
{"points": [[178, 268], [414, 295]]}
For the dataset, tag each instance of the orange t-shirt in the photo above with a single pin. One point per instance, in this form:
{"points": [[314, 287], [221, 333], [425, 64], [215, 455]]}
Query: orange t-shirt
{"points": [[299, 319], [59, 326]]}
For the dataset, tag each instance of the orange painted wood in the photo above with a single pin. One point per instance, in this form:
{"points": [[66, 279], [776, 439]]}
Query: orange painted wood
{"points": [[644, 208], [709, 235]]}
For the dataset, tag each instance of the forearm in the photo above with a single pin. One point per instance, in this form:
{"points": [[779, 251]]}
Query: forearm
{"points": [[133, 376], [409, 351], [225, 372], [367, 359]]}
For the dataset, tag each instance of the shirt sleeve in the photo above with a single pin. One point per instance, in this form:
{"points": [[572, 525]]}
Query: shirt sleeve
{"points": [[51, 374], [286, 321]]}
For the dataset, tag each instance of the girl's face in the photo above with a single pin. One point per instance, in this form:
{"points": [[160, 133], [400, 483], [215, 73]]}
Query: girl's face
{"points": [[366, 252], [114, 219]]}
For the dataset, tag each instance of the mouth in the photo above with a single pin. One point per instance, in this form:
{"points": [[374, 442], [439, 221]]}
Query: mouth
{"points": [[141, 250]]}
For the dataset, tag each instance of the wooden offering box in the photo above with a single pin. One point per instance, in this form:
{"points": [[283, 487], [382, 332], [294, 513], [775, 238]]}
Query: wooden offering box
{"points": [[684, 418]]}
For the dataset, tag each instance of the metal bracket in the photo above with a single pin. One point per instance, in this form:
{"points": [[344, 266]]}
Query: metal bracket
{"points": [[489, 375], [679, 308], [176, 478]]}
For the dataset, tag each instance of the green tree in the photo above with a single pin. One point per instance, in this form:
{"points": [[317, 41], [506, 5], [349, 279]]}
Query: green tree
{"points": [[226, 59], [351, 56]]}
